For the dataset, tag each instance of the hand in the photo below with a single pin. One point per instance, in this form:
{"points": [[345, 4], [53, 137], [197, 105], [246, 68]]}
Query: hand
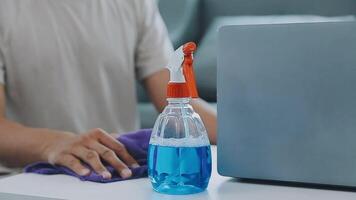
{"points": [[69, 150]]}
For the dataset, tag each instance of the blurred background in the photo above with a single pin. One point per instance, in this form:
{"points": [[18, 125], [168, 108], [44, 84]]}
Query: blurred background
{"points": [[199, 21]]}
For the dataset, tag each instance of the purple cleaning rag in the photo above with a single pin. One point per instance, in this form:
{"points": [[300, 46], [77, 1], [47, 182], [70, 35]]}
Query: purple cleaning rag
{"points": [[136, 144]]}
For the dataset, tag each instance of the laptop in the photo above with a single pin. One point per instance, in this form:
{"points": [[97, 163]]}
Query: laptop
{"points": [[287, 102]]}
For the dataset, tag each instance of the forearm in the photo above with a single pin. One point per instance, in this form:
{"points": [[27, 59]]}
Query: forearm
{"points": [[20, 145], [208, 115]]}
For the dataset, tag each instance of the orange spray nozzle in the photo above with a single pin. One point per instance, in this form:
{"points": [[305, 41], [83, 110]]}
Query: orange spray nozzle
{"points": [[188, 70], [189, 48]]}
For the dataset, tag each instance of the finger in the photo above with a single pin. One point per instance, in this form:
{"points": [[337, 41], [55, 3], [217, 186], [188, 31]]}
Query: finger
{"points": [[109, 156], [74, 164], [114, 135], [118, 148], [92, 158]]}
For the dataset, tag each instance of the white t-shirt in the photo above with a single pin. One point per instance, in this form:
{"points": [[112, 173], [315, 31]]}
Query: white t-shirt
{"points": [[71, 64]]}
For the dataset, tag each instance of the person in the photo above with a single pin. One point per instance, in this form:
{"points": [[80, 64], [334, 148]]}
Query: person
{"points": [[67, 80]]}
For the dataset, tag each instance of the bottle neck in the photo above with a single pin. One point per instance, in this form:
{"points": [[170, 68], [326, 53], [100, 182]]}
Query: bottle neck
{"points": [[181, 105], [172, 101]]}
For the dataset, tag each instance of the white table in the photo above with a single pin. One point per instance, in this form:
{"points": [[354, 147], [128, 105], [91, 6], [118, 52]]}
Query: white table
{"points": [[220, 188]]}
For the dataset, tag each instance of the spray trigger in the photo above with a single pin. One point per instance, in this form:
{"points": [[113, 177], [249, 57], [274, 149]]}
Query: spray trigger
{"points": [[175, 66], [182, 79]]}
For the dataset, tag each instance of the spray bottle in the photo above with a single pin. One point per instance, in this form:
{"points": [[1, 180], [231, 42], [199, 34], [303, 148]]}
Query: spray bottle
{"points": [[179, 157]]}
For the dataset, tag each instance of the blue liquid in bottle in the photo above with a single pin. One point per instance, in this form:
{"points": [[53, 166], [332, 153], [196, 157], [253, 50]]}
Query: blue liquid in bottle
{"points": [[179, 170]]}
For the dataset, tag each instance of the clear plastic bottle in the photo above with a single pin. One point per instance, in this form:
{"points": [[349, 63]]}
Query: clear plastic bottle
{"points": [[179, 157]]}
